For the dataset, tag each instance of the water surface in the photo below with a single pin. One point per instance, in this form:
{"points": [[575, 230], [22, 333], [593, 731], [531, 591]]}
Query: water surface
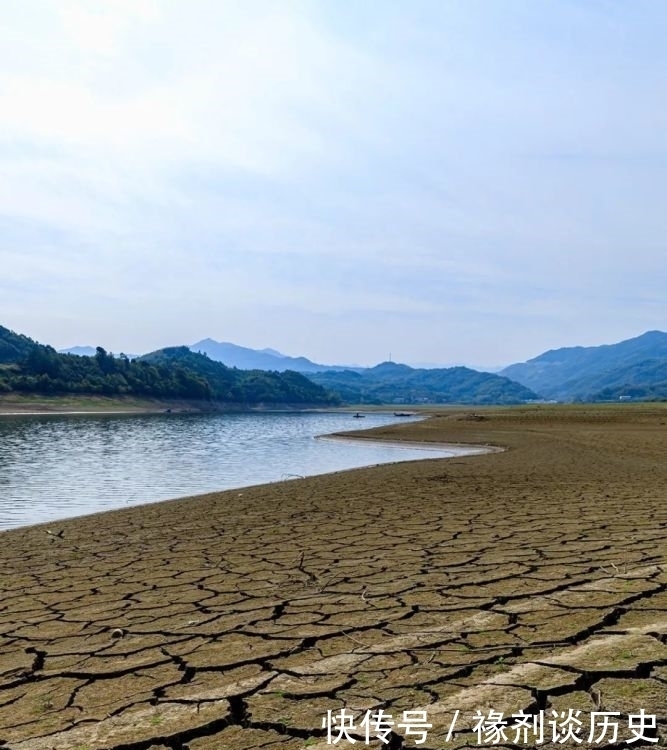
{"points": [[59, 466]]}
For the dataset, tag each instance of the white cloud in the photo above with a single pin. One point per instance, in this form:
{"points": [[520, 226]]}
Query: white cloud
{"points": [[98, 28], [456, 157], [242, 104]]}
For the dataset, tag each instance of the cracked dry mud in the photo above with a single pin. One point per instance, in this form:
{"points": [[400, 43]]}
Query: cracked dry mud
{"points": [[524, 580]]}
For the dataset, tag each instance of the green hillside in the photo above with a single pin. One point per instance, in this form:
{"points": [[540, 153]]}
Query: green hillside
{"points": [[585, 373], [391, 383], [644, 381], [242, 386], [14, 346], [175, 373]]}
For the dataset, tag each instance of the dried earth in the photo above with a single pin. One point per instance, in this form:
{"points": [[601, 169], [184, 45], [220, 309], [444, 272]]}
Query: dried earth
{"points": [[526, 580]]}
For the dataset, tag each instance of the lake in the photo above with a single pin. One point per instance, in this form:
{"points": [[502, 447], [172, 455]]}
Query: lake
{"points": [[59, 466]]}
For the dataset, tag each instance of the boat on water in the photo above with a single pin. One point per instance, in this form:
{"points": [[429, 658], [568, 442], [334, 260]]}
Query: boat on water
{"points": [[403, 414], [359, 415]]}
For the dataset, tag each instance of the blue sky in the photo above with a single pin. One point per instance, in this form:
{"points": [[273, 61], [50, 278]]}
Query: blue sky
{"points": [[452, 182]]}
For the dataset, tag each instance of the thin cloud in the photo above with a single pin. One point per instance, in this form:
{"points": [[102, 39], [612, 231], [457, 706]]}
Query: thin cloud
{"points": [[488, 169]]}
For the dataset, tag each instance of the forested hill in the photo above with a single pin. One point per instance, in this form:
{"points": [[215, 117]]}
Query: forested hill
{"points": [[395, 383], [174, 373], [13, 346], [242, 386], [635, 368]]}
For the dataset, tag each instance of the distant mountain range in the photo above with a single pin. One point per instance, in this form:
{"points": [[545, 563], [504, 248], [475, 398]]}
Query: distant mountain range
{"points": [[391, 383], [172, 373], [632, 369], [233, 355], [387, 383]]}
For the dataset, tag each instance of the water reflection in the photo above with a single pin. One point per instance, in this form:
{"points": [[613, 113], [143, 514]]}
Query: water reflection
{"points": [[59, 466]]}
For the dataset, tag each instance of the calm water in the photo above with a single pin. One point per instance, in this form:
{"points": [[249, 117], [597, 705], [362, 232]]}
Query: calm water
{"points": [[60, 466]]}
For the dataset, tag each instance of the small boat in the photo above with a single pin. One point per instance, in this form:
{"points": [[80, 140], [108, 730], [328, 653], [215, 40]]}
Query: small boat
{"points": [[359, 415], [403, 414]]}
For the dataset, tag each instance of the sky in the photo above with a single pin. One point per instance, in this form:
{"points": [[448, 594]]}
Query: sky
{"points": [[436, 181]]}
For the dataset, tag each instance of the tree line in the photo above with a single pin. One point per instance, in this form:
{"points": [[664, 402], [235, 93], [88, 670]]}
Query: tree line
{"points": [[174, 373]]}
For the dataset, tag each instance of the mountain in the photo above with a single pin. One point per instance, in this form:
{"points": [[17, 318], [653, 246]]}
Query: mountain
{"points": [[632, 369], [391, 383], [645, 381], [243, 386], [175, 373], [584, 373], [233, 355], [178, 372]]}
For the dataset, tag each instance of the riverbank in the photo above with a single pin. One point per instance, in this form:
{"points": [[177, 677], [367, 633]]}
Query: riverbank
{"points": [[30, 403], [16, 404], [525, 579], [170, 455]]}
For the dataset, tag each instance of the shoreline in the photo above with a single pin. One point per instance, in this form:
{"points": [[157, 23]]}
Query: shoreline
{"points": [[446, 451], [41, 405], [533, 577], [468, 449]]}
